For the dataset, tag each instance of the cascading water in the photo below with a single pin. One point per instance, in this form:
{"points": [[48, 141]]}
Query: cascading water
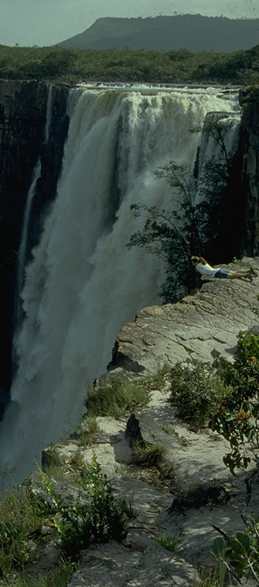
{"points": [[83, 282], [26, 222]]}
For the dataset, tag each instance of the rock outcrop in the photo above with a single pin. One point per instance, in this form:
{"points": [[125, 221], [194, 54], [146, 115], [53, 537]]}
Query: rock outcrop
{"points": [[199, 323], [188, 491]]}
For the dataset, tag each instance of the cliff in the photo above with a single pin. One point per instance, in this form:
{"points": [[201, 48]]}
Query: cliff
{"points": [[210, 319], [249, 142], [186, 490], [22, 125]]}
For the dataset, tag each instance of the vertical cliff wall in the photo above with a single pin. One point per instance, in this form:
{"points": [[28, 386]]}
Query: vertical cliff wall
{"points": [[22, 124], [249, 180]]}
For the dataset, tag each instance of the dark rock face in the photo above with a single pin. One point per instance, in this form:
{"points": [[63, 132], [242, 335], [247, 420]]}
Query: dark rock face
{"points": [[22, 127], [22, 119], [249, 149]]}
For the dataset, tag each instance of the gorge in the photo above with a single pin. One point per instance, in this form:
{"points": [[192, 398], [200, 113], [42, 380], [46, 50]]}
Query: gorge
{"points": [[73, 161]]}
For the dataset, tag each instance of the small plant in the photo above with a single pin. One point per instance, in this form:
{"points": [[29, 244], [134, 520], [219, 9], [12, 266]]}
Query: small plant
{"points": [[87, 432], [239, 553], [20, 520], [56, 578], [238, 418], [157, 381], [117, 397], [170, 543], [94, 516], [197, 392], [147, 455]]}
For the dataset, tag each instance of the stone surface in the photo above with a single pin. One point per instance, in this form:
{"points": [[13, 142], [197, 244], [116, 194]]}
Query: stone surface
{"points": [[113, 565], [194, 327]]}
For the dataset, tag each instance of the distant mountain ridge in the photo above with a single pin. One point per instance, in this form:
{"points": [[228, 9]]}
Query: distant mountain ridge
{"points": [[192, 32]]}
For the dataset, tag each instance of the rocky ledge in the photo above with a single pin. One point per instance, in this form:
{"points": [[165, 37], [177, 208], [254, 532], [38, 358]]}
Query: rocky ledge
{"points": [[188, 490], [209, 319]]}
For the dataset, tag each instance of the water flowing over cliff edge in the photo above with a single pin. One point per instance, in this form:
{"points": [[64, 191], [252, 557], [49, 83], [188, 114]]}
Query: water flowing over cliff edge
{"points": [[81, 282]]}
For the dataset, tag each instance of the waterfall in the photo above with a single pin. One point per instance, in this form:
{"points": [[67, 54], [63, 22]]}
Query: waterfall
{"points": [[22, 256], [83, 282]]}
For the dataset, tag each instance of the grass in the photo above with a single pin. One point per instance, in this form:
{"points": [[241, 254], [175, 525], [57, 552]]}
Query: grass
{"points": [[147, 455], [59, 577], [159, 380], [170, 543], [212, 577], [20, 523], [90, 516], [116, 398], [87, 432]]}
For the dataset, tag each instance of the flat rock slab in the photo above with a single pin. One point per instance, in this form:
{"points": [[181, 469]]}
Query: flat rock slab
{"points": [[196, 526], [195, 326], [191, 458], [148, 502], [113, 565]]}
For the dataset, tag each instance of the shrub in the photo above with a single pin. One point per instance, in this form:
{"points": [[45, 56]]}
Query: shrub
{"points": [[94, 516], [117, 397], [147, 455], [237, 420], [197, 392], [240, 552], [59, 577], [20, 520], [170, 543]]}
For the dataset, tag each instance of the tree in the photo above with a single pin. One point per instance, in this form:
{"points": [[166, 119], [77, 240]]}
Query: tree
{"points": [[172, 235]]}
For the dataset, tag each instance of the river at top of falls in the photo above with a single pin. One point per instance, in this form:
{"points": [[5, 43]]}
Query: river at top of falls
{"points": [[83, 282]]}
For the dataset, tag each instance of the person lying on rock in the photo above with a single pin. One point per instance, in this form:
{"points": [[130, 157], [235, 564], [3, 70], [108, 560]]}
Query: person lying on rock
{"points": [[203, 267]]}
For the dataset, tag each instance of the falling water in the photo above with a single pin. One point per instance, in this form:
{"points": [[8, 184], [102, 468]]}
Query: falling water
{"points": [[26, 221], [83, 282]]}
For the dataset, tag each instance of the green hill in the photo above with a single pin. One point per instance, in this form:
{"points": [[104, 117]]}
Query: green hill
{"points": [[192, 32]]}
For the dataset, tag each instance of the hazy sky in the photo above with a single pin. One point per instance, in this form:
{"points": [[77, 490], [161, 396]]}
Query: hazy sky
{"points": [[45, 22]]}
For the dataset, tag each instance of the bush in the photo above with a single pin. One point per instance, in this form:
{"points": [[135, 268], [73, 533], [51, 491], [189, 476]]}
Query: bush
{"points": [[240, 552], [237, 420], [94, 516], [57, 578], [147, 455], [197, 392], [20, 519], [117, 398]]}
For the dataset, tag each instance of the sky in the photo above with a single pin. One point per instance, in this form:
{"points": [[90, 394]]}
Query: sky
{"points": [[46, 22]]}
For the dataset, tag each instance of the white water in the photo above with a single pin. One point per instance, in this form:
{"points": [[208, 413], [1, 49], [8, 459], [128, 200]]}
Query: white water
{"points": [[24, 239], [83, 282]]}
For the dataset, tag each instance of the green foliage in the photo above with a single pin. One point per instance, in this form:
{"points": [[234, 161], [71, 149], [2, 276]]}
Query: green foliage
{"points": [[147, 455], [120, 65], [89, 514], [94, 516], [157, 381], [197, 392], [86, 434], [59, 577], [240, 552], [20, 520], [117, 397], [171, 234], [237, 420], [170, 543]]}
